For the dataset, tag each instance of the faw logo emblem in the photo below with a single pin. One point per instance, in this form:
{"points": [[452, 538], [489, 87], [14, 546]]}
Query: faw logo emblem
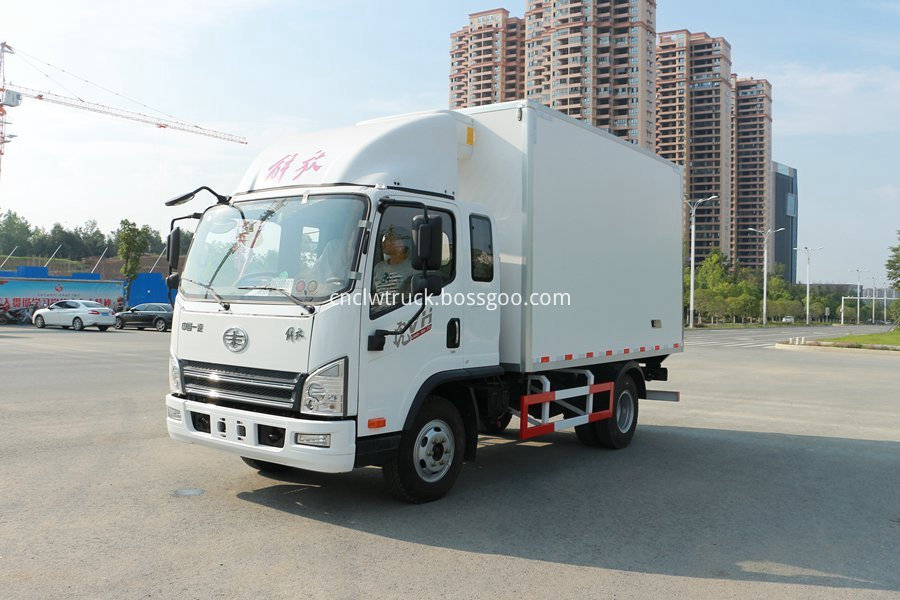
{"points": [[235, 339], [293, 334]]}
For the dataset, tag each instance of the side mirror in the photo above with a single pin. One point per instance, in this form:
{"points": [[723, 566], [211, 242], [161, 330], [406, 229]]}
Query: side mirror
{"points": [[173, 281], [426, 241], [173, 248], [430, 285]]}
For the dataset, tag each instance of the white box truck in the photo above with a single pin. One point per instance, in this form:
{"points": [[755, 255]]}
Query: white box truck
{"points": [[380, 294]]}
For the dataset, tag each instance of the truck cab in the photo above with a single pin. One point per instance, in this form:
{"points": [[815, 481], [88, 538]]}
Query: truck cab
{"points": [[272, 354]]}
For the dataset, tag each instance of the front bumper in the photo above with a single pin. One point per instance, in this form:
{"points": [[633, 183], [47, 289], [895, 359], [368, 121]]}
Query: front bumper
{"points": [[338, 458]]}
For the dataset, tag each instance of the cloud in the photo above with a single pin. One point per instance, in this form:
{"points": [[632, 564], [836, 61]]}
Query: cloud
{"points": [[810, 100], [166, 27], [395, 104], [889, 6]]}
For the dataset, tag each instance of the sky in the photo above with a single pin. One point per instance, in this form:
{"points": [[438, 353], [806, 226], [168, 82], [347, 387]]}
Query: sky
{"points": [[264, 69]]}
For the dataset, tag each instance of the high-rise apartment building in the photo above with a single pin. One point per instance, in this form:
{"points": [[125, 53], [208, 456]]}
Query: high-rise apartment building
{"points": [[594, 60], [786, 210], [752, 195], [694, 121], [486, 59], [590, 59]]}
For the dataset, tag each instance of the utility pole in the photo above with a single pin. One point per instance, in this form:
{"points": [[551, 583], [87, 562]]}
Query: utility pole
{"points": [[808, 251], [765, 235], [693, 206]]}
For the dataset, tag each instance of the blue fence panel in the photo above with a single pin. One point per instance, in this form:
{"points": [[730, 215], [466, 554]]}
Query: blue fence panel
{"points": [[148, 287]]}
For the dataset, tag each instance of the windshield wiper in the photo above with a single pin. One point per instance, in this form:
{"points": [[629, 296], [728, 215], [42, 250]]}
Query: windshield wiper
{"points": [[309, 307], [209, 288]]}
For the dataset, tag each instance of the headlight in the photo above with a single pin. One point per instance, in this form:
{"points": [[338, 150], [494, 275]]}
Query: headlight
{"points": [[325, 390], [175, 376]]}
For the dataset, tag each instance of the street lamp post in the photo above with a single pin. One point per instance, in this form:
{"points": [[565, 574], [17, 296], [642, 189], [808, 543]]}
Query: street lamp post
{"points": [[765, 235], [874, 299], [858, 290], [808, 252], [693, 206]]}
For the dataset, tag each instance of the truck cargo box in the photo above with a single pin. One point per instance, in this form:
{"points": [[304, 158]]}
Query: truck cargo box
{"points": [[580, 212]]}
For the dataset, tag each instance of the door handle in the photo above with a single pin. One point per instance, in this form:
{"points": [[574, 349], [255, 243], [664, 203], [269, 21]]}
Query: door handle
{"points": [[453, 333]]}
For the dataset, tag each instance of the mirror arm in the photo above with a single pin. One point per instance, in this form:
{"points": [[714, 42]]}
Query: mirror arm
{"points": [[377, 339]]}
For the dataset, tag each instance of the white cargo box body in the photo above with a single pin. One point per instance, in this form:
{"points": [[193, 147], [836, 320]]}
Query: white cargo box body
{"points": [[580, 212]]}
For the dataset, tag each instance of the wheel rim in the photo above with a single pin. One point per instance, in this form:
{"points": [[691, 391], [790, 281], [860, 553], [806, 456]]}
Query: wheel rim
{"points": [[119, 324], [625, 411], [160, 325], [39, 321], [434, 450], [77, 324]]}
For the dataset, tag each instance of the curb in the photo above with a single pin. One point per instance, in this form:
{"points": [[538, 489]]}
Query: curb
{"points": [[803, 348]]}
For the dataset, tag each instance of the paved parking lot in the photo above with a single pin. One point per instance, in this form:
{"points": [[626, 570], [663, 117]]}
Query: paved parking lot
{"points": [[776, 475]]}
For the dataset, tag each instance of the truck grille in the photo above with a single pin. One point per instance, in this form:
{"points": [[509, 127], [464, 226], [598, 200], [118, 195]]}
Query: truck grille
{"points": [[211, 383]]}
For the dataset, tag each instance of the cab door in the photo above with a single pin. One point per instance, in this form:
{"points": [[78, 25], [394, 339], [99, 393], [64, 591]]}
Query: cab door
{"points": [[391, 376]]}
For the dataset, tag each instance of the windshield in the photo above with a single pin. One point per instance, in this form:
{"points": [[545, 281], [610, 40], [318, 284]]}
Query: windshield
{"points": [[262, 250]]}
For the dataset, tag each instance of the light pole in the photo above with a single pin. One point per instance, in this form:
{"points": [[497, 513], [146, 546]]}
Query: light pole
{"points": [[858, 290], [808, 252], [693, 206], [874, 299], [765, 235]]}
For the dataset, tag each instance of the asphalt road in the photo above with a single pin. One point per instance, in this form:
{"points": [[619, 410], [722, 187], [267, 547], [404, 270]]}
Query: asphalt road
{"points": [[776, 475], [767, 337]]}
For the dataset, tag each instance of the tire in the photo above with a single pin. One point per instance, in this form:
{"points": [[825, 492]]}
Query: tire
{"points": [[495, 426], [265, 467], [435, 428], [160, 325], [587, 434], [39, 322], [102, 327], [120, 324], [616, 433], [77, 324]]}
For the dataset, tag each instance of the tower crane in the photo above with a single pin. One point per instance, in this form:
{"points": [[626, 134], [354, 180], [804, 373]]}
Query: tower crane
{"points": [[11, 96]]}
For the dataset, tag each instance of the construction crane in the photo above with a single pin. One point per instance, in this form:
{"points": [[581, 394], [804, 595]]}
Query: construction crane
{"points": [[11, 96]]}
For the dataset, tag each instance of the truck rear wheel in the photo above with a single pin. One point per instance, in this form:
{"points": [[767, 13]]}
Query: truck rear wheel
{"points": [[614, 433], [430, 455], [265, 467]]}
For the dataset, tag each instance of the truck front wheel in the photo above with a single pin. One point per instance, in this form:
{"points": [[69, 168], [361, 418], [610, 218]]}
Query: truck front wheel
{"points": [[430, 455]]}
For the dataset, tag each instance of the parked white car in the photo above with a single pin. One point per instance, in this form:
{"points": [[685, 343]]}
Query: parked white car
{"points": [[76, 314]]}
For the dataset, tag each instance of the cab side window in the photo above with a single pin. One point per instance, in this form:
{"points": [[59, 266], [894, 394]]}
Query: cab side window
{"points": [[392, 274], [482, 248]]}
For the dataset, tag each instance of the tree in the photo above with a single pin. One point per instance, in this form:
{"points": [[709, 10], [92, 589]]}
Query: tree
{"points": [[893, 311], [893, 264], [817, 309], [14, 231], [132, 242], [93, 239]]}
